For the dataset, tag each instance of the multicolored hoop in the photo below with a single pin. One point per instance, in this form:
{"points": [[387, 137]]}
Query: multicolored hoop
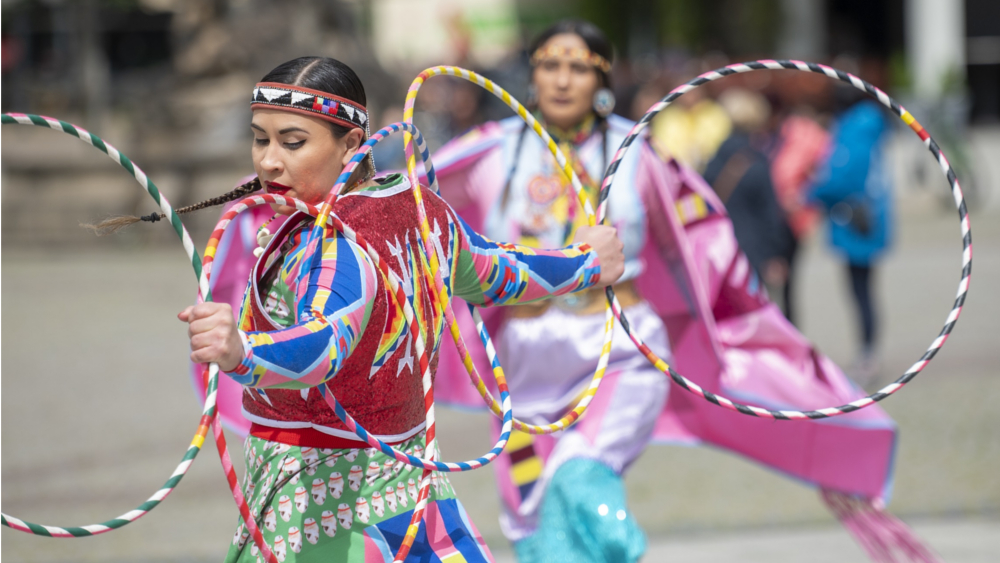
{"points": [[212, 388], [572, 416], [885, 100], [232, 479], [396, 293]]}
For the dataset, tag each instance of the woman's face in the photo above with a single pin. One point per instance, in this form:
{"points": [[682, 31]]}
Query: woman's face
{"points": [[565, 86], [297, 155]]}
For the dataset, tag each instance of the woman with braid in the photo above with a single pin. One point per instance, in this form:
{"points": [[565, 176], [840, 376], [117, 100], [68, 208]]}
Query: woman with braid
{"points": [[311, 328]]}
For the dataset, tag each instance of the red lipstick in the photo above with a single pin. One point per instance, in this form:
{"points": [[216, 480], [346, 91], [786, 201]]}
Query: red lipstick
{"points": [[276, 188]]}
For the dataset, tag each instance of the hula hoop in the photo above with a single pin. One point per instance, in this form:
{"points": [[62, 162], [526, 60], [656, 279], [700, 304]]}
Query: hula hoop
{"points": [[249, 518], [896, 108], [209, 409], [232, 479], [394, 290], [567, 420], [393, 287]]}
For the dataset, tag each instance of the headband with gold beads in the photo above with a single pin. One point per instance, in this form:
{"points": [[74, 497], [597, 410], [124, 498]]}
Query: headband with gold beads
{"points": [[578, 54]]}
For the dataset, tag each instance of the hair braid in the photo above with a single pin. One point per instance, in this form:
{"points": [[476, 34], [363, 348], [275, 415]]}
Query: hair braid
{"points": [[240, 191], [112, 225]]}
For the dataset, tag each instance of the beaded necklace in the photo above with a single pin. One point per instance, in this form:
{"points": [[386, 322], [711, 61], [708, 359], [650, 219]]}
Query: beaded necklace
{"points": [[264, 236]]}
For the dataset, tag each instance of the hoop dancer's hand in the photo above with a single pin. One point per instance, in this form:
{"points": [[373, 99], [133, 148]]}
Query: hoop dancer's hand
{"points": [[604, 240], [213, 334]]}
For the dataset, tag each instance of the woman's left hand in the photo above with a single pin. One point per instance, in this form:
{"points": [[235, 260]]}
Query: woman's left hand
{"points": [[213, 334]]}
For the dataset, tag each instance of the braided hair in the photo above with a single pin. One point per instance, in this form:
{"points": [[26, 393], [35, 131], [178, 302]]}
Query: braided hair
{"points": [[317, 73], [112, 225]]}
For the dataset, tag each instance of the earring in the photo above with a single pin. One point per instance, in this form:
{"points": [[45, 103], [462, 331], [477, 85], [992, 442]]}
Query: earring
{"points": [[604, 102], [371, 153], [532, 99]]}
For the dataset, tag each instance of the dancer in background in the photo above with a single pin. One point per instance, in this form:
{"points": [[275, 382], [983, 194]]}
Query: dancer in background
{"points": [[688, 291], [563, 496]]}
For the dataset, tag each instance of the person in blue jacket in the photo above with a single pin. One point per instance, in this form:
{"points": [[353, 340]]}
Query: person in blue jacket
{"points": [[855, 190]]}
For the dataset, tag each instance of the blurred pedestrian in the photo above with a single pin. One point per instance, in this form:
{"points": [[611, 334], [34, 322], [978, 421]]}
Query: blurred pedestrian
{"points": [[691, 129], [741, 176], [800, 146], [465, 107], [855, 190]]}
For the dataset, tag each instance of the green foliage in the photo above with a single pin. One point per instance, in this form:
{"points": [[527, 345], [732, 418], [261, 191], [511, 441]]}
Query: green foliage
{"points": [[681, 23], [900, 77]]}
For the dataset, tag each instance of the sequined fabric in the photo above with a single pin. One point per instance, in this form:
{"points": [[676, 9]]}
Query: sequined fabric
{"points": [[349, 334], [348, 505], [584, 519]]}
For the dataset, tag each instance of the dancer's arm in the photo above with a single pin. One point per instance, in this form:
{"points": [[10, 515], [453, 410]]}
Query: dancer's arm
{"points": [[491, 273], [334, 304]]}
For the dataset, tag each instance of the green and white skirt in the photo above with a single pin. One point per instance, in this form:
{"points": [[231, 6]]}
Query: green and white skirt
{"points": [[351, 506]]}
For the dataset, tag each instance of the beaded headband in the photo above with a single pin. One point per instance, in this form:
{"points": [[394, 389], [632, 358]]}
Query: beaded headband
{"points": [[310, 102], [306, 101], [585, 55]]}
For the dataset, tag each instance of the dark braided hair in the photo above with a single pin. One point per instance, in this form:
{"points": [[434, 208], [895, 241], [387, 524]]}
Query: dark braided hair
{"points": [[334, 77], [317, 73], [112, 225]]}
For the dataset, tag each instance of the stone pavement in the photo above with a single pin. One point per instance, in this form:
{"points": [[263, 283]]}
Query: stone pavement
{"points": [[956, 541], [97, 410], [973, 540]]}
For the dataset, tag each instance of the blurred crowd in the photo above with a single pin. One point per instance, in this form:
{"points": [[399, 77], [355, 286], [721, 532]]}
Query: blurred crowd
{"points": [[773, 145]]}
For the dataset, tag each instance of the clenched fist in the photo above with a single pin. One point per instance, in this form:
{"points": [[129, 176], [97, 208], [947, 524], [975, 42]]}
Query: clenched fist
{"points": [[604, 240], [213, 335]]}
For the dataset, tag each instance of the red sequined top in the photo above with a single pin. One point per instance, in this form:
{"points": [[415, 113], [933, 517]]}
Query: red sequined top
{"points": [[376, 377]]}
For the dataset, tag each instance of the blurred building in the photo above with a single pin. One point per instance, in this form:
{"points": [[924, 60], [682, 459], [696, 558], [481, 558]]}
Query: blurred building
{"points": [[167, 80], [88, 56]]}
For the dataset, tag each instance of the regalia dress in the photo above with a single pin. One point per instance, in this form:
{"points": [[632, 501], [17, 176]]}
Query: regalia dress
{"points": [[691, 294], [562, 495], [328, 326]]}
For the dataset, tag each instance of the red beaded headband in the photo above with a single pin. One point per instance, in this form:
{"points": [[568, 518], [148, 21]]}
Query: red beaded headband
{"points": [[310, 102]]}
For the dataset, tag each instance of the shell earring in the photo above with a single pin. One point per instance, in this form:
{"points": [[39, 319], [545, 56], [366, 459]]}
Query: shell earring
{"points": [[532, 98], [604, 102]]}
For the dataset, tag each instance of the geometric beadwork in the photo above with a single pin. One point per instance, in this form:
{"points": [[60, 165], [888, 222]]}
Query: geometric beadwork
{"points": [[333, 108]]}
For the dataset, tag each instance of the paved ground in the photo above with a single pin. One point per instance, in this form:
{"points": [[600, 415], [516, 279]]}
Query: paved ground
{"points": [[97, 410], [957, 541]]}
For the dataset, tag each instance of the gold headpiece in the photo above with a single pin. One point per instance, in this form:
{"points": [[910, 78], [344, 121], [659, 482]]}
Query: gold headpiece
{"points": [[585, 55]]}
